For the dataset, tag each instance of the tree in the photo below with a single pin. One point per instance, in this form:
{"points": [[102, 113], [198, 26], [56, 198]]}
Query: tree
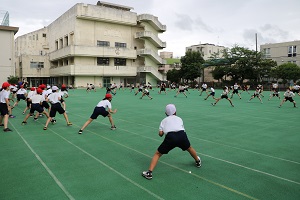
{"points": [[287, 71], [173, 75], [191, 65], [13, 79]]}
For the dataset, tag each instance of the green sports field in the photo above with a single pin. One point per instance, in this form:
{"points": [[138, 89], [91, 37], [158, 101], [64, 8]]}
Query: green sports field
{"points": [[250, 151]]}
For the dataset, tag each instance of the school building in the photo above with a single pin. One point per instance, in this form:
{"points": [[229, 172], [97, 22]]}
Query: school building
{"points": [[99, 44]]}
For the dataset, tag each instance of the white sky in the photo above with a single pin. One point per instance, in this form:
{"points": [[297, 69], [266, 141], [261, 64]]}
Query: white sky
{"points": [[189, 22]]}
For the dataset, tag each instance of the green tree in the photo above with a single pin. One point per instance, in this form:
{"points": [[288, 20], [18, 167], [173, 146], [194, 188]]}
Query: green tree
{"points": [[191, 65], [287, 71], [173, 75], [13, 79]]}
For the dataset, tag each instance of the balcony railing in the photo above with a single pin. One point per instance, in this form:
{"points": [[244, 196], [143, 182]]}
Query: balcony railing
{"points": [[154, 39], [151, 70], [92, 51], [153, 20], [92, 70], [153, 55]]}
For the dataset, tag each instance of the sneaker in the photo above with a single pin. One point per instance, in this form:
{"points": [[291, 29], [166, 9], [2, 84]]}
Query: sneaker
{"points": [[35, 119], [213, 104], [1, 124], [45, 128], [113, 128], [23, 113], [23, 123], [7, 130], [232, 105], [12, 116], [53, 121], [147, 174], [80, 131], [31, 115], [198, 163], [69, 123]]}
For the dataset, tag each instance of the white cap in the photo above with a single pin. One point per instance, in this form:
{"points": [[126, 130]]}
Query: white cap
{"points": [[54, 87], [170, 109], [48, 86]]}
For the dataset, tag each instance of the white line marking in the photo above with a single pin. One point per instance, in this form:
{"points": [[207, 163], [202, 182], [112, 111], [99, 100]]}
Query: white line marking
{"points": [[109, 167], [46, 167]]}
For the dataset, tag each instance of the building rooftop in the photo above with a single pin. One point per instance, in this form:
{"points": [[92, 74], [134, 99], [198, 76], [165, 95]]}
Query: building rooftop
{"points": [[9, 28], [112, 5]]}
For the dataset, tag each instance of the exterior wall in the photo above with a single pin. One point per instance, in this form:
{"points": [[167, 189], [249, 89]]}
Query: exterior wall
{"points": [[7, 52], [279, 52], [207, 50], [73, 50]]}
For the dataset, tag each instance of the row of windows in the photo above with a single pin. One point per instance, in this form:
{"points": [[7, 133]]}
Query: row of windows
{"points": [[107, 44], [37, 65], [117, 61], [36, 36], [292, 51]]}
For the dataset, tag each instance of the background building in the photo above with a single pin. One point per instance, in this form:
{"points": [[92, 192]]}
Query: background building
{"points": [[7, 67], [207, 51], [282, 52], [99, 44]]}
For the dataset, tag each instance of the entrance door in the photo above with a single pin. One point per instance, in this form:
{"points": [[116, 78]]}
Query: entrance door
{"points": [[106, 82]]}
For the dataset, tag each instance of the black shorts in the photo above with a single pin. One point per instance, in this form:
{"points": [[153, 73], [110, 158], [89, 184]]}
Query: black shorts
{"points": [[56, 108], [28, 102], [289, 99], [21, 96], [212, 93], [172, 140], [45, 104], [235, 92], [203, 89], [140, 90], [99, 111], [36, 107], [224, 97], [3, 109], [162, 89]]}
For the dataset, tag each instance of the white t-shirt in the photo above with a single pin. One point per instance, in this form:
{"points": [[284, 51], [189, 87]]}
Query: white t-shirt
{"points": [[54, 98], [31, 93], [171, 123], [21, 91], [212, 89], [37, 98], [204, 86], [104, 103], [4, 94], [289, 94]]}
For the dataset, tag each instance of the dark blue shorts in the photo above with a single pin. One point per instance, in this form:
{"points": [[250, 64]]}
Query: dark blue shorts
{"points": [[99, 111], [172, 140], [36, 107], [21, 96], [56, 108], [3, 109]]}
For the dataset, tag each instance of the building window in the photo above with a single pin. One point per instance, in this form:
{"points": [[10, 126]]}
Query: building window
{"points": [[37, 37], [102, 43], [44, 34], [120, 62], [56, 44], [120, 45], [292, 51], [103, 61], [66, 42], [61, 44], [267, 52], [37, 65]]}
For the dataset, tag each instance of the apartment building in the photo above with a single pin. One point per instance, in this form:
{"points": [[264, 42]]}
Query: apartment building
{"points": [[285, 52], [99, 44], [7, 63], [207, 50]]}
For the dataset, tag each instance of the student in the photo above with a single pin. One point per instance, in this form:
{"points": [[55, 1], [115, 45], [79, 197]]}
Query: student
{"points": [[162, 88], [140, 89], [275, 93], [203, 88], [28, 100], [36, 105], [236, 90], [212, 93], [224, 96], [4, 106], [54, 98], [175, 136], [256, 94], [288, 96], [181, 90], [21, 94], [146, 93], [103, 108]]}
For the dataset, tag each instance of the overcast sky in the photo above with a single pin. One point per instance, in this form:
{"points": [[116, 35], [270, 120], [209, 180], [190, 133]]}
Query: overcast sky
{"points": [[189, 22]]}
